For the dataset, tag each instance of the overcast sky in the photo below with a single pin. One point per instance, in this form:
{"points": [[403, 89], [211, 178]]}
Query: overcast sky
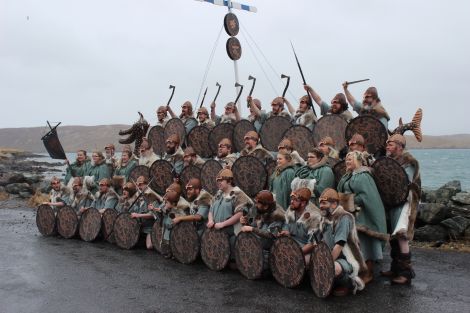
{"points": [[92, 62]]}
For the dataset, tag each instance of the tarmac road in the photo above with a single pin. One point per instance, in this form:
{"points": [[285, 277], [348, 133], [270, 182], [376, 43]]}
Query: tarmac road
{"points": [[50, 274]]}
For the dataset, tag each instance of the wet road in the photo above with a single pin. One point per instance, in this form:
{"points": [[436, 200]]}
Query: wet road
{"points": [[39, 274]]}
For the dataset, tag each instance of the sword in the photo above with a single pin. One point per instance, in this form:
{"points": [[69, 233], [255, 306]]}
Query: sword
{"points": [[203, 97], [172, 93], [303, 79], [143, 191], [357, 81], [218, 90], [252, 87], [240, 93], [287, 84]]}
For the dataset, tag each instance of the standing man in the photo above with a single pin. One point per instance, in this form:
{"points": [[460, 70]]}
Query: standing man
{"points": [[253, 148], [162, 116], [186, 116], [224, 153], [174, 154], [110, 159], [259, 118], [338, 105], [231, 114], [402, 218], [304, 115], [147, 156], [203, 118], [277, 109]]}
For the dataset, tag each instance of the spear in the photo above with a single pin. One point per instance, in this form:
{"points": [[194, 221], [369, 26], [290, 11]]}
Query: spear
{"points": [[203, 97]]}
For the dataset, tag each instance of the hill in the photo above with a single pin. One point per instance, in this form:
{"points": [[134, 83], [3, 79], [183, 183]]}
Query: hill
{"points": [[91, 138]]}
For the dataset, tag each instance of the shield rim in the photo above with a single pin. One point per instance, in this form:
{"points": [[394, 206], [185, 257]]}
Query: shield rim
{"points": [[54, 226], [214, 147], [230, 42], [167, 132], [154, 185], [183, 184], [327, 116], [155, 150], [76, 222], [109, 236], [227, 29], [304, 156]]}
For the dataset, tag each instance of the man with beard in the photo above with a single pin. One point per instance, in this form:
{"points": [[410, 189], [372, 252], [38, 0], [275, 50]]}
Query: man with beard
{"points": [[304, 115], [200, 202], [59, 194], [106, 197], [302, 218], [125, 165], [357, 143], [338, 105], [277, 109], [203, 118], [327, 146], [231, 114], [129, 194], [110, 160], [224, 153], [174, 154], [257, 119], [191, 158], [98, 168], [402, 218], [81, 198], [162, 116], [286, 146], [186, 116], [339, 233], [253, 148], [77, 168], [371, 104], [147, 156]]}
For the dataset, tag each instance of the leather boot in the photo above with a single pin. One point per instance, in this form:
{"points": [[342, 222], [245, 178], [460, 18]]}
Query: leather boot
{"points": [[394, 252], [369, 275], [405, 272]]}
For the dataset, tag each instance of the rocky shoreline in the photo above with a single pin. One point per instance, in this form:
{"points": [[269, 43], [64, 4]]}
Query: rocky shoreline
{"points": [[443, 215]]}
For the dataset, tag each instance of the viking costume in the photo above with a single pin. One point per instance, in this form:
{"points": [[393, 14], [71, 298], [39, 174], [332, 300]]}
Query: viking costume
{"points": [[125, 170], [268, 225], [258, 152], [62, 195], [227, 160], [148, 158], [189, 123], [280, 183], [306, 119], [77, 169], [321, 172], [258, 121], [377, 111], [98, 171], [207, 123], [225, 118], [169, 212], [176, 159], [163, 122], [302, 227], [201, 206], [106, 200], [370, 215], [124, 204], [81, 199]]}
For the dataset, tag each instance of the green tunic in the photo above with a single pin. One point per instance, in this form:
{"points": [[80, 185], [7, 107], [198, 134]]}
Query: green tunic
{"points": [[322, 174], [98, 171], [125, 170], [108, 200], [370, 220], [77, 170], [279, 184]]}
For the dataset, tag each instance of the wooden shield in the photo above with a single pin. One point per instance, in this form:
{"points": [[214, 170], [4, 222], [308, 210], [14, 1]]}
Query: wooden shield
{"points": [[157, 138], [374, 132], [188, 172], [139, 170], [231, 25], [287, 262], [249, 174], [273, 130], [184, 242], [126, 231], [339, 170], [90, 224], [234, 48], [322, 270], [249, 255], [331, 125], [175, 126], [215, 249], [270, 168], [45, 220], [209, 172], [157, 234], [107, 219], [67, 222], [221, 131], [239, 132], [162, 173], [302, 139], [198, 139], [392, 182]]}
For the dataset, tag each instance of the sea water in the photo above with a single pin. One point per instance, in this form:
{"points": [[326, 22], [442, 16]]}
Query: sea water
{"points": [[437, 166]]}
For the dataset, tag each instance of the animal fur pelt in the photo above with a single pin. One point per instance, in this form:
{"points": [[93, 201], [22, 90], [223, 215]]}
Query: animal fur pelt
{"points": [[310, 218]]}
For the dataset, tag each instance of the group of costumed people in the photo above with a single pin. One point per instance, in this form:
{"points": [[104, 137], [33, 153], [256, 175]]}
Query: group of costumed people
{"points": [[302, 200]]}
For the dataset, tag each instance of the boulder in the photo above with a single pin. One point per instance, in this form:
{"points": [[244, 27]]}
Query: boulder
{"points": [[462, 197], [431, 233], [459, 210], [42, 186], [447, 191], [2, 189], [428, 195], [466, 233], [17, 178], [456, 225], [4, 178], [431, 213], [25, 194], [18, 187]]}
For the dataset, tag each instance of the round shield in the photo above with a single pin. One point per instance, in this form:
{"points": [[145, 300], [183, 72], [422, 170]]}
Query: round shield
{"points": [[339, 170], [188, 172], [126, 230], [67, 222], [162, 174], [374, 132], [322, 270], [231, 25], [139, 170], [270, 168], [175, 126], [221, 131], [107, 218], [392, 181], [157, 235], [198, 139], [287, 262], [331, 125], [249, 174], [215, 249], [234, 48], [90, 224], [45, 220], [249, 255], [209, 172], [239, 132], [273, 130], [302, 139], [184, 242], [157, 138]]}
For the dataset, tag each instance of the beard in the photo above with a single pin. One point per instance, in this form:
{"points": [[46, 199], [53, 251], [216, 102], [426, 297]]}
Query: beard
{"points": [[325, 212], [170, 150]]}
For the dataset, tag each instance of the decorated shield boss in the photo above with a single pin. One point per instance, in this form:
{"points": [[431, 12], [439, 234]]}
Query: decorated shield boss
{"points": [[231, 24], [234, 48]]}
